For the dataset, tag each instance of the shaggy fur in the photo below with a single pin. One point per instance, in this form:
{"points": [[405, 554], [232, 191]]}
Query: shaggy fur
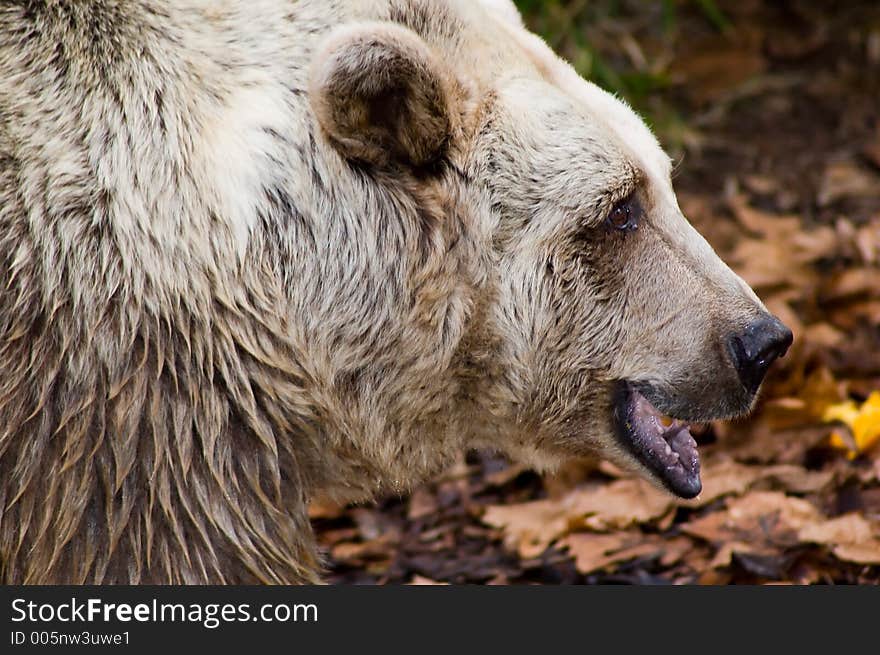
{"points": [[256, 251]]}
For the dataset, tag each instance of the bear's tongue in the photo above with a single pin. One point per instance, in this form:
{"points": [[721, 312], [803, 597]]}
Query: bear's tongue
{"points": [[664, 445]]}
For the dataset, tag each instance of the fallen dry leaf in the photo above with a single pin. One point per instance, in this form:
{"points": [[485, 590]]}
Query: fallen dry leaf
{"points": [[597, 551], [848, 529], [763, 440], [724, 556], [618, 505], [851, 537], [726, 477], [867, 237], [760, 518], [844, 179], [797, 479], [421, 504], [529, 528], [506, 475], [373, 549], [863, 422], [823, 334], [867, 553], [850, 284], [675, 549]]}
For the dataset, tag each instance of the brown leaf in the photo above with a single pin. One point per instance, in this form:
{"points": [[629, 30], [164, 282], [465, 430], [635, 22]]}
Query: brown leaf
{"points": [[851, 536], [813, 244], [619, 504], [765, 264], [506, 475], [674, 549], [847, 529], [725, 553], [797, 479], [422, 503], [845, 179], [867, 553], [850, 315], [529, 528], [822, 334], [597, 551], [380, 548], [851, 283], [867, 237], [568, 476], [330, 537], [760, 518], [762, 440], [760, 222], [783, 252], [761, 184], [728, 477]]}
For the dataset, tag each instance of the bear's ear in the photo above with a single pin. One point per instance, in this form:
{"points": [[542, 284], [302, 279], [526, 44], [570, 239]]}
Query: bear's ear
{"points": [[382, 96]]}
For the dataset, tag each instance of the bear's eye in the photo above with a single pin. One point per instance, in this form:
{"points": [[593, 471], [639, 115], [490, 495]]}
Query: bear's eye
{"points": [[625, 215]]}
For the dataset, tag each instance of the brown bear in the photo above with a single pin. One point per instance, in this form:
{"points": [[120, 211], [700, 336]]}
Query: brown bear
{"points": [[251, 252]]}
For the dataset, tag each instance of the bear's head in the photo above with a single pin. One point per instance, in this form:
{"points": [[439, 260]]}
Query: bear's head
{"points": [[602, 321]]}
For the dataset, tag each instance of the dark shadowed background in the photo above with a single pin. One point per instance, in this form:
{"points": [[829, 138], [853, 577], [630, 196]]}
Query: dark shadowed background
{"points": [[771, 111]]}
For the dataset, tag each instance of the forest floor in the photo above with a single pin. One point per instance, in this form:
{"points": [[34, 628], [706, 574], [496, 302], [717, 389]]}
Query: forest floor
{"points": [[772, 112]]}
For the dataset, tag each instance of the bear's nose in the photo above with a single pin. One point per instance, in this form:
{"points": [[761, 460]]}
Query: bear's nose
{"points": [[757, 348]]}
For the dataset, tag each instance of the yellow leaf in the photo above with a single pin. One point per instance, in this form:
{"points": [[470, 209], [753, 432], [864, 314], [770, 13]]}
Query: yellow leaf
{"points": [[864, 422], [843, 412]]}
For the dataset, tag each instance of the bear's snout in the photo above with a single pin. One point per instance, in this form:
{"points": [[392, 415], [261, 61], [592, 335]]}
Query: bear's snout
{"points": [[753, 350]]}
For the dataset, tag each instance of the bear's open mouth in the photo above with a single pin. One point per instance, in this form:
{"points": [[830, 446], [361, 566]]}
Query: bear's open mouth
{"points": [[664, 445]]}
